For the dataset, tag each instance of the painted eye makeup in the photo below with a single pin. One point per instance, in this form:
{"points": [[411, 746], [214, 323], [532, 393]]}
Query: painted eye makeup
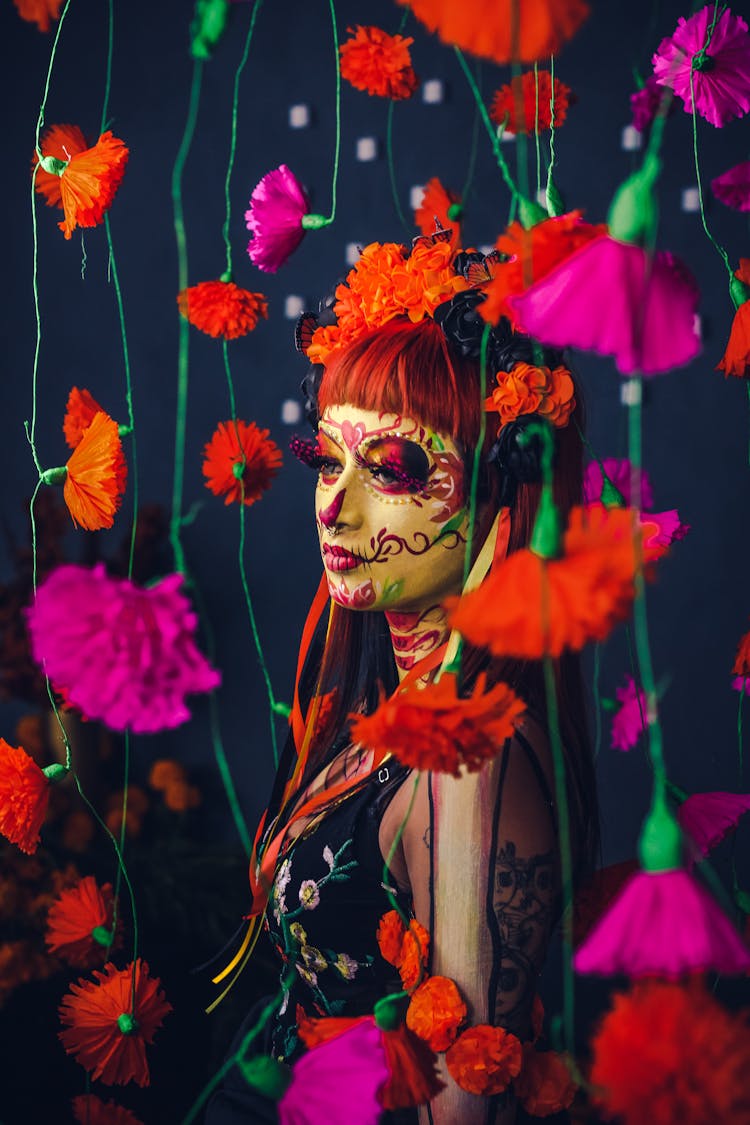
{"points": [[396, 465], [310, 453]]}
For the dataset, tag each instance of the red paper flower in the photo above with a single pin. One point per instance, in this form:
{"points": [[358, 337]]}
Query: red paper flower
{"points": [[589, 591], [441, 206], [523, 105], [733, 187], [96, 475], [484, 1060], [40, 12], [435, 729], [741, 666], [484, 27], [435, 1012], [80, 412], [90, 1110], [240, 452], [545, 1085], [221, 308], [78, 922], [89, 182], [62, 142], [736, 358], [24, 792], [667, 1053], [102, 1033], [379, 63]]}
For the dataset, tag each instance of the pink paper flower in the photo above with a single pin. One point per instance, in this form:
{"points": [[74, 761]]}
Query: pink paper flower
{"points": [[618, 472], [609, 297], [644, 104], [740, 683], [733, 187], [337, 1082], [120, 653], [277, 206], [663, 924], [721, 75], [709, 817], [628, 721]]}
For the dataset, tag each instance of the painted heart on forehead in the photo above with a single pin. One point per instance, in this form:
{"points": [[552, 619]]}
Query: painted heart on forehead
{"points": [[353, 435]]}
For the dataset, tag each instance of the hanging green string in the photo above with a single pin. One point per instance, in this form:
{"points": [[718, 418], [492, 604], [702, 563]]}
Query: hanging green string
{"points": [[313, 221], [537, 143], [183, 326], [233, 142], [110, 50], [719, 249], [491, 132], [634, 671], [474, 147], [392, 169]]}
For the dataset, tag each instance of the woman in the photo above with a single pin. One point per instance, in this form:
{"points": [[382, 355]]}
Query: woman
{"points": [[398, 412]]}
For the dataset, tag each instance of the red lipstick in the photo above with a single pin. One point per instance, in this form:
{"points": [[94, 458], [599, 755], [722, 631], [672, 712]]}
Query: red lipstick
{"points": [[338, 558]]}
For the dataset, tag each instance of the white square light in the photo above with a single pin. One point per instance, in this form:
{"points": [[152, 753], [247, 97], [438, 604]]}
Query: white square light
{"points": [[433, 91], [630, 139], [291, 412], [416, 195], [690, 199], [631, 392], [299, 116], [293, 306], [367, 149], [352, 253]]}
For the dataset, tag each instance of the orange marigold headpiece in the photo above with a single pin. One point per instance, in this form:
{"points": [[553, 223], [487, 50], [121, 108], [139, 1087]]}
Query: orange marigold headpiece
{"points": [[379, 63], [526, 389], [221, 308], [524, 103], [89, 180], [240, 456]]}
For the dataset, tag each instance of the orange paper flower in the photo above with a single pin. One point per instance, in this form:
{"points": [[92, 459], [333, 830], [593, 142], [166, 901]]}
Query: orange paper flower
{"points": [[24, 792], [526, 389], [524, 103], [435, 1012], [101, 1032], [62, 142], [77, 920], [415, 949], [484, 27], [531, 255], [90, 1110], [80, 412], [544, 1085], [441, 206], [484, 1059], [89, 182], [231, 444], [96, 475], [741, 666], [589, 590], [434, 729], [379, 63], [390, 936], [736, 358], [221, 308], [40, 12]]}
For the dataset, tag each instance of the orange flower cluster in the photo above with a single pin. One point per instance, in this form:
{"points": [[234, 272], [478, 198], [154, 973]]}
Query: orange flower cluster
{"points": [[384, 284], [102, 1032], [670, 1052], [170, 778], [221, 308], [76, 921], [90, 1110], [439, 205], [589, 590], [736, 358], [233, 444], [379, 63], [62, 142], [526, 389], [40, 12], [405, 948], [544, 1085], [434, 729], [484, 1060], [96, 474], [24, 793], [485, 27], [532, 254], [435, 1012], [90, 179], [523, 105]]}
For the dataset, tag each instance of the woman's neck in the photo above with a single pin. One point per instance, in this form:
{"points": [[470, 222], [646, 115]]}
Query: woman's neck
{"points": [[415, 635]]}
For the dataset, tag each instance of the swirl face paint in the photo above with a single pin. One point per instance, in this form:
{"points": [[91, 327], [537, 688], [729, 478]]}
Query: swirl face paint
{"points": [[390, 509]]}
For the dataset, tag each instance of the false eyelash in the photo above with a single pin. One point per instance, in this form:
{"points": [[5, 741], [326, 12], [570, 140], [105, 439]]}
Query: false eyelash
{"points": [[307, 451], [401, 475]]}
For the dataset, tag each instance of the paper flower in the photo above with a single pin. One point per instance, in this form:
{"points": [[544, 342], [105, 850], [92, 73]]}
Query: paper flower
{"points": [[124, 654], [644, 104], [631, 717], [736, 358], [407, 948], [78, 922], [733, 187], [90, 1110], [89, 181], [545, 1085], [590, 590], [484, 26], [240, 456], [40, 12], [62, 142], [106, 1032], [96, 475], [435, 729], [663, 923], [441, 206], [721, 74], [484, 1060], [523, 104], [531, 255], [24, 792], [610, 298], [80, 412], [594, 897], [221, 308], [277, 206], [741, 666], [435, 1012], [708, 818], [660, 529], [526, 389], [378, 63], [667, 1053]]}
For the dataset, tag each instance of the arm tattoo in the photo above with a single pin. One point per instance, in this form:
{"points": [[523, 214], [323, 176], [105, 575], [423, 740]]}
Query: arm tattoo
{"points": [[426, 837]]}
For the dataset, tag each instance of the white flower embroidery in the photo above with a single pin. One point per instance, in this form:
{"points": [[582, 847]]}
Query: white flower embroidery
{"points": [[309, 895], [328, 857], [346, 966]]}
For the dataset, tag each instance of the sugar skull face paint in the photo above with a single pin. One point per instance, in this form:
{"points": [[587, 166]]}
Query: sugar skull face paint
{"points": [[390, 510]]}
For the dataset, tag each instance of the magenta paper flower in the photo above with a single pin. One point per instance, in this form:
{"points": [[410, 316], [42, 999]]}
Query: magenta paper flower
{"points": [[709, 817], [629, 719], [119, 653], [661, 528], [741, 683], [608, 297], [277, 206], [645, 102], [337, 1082], [721, 78], [733, 187], [662, 924]]}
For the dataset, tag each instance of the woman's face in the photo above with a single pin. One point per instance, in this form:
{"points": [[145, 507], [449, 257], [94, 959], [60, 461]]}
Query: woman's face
{"points": [[391, 511]]}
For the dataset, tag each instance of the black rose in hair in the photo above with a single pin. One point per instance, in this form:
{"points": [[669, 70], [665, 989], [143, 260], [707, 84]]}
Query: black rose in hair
{"points": [[519, 461], [461, 322]]}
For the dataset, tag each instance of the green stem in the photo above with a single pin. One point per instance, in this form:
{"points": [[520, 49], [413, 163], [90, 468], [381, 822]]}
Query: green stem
{"points": [[43, 106], [110, 48], [337, 152], [536, 126], [31, 430], [494, 139], [233, 141], [474, 149], [392, 169], [719, 249]]}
